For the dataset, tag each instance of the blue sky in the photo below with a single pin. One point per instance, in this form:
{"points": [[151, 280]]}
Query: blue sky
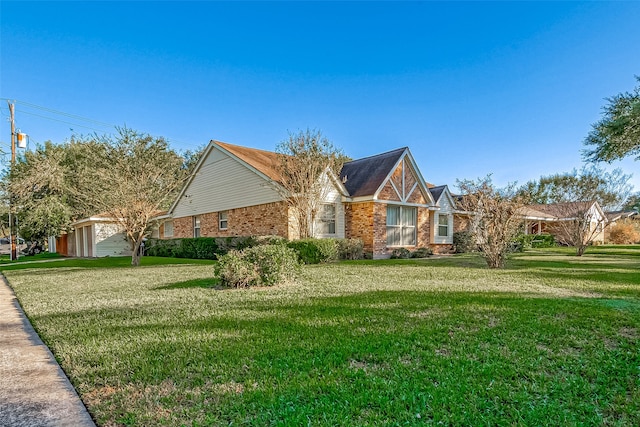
{"points": [[508, 88]]}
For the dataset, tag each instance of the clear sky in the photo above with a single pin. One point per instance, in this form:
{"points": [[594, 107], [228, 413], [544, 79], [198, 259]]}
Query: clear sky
{"points": [[508, 88]]}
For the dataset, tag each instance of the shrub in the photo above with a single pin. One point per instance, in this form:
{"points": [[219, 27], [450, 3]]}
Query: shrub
{"points": [[401, 253], [463, 242], [162, 248], [275, 264], [235, 270], [624, 233], [422, 253], [264, 265], [315, 251], [198, 248], [350, 248], [528, 241]]}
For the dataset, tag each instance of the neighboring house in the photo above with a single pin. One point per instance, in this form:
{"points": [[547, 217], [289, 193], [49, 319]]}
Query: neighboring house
{"points": [[382, 200], [553, 218], [97, 236], [614, 217]]}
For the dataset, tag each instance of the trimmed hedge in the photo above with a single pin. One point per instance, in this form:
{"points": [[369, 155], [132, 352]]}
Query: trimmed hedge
{"points": [[310, 251], [201, 247], [463, 242], [528, 241], [315, 251]]}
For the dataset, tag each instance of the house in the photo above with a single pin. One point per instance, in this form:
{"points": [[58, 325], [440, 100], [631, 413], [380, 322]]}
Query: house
{"points": [[556, 219], [382, 200], [92, 237]]}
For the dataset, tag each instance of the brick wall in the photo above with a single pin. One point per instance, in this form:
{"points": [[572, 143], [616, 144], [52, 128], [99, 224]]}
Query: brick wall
{"points": [[260, 220], [359, 223]]}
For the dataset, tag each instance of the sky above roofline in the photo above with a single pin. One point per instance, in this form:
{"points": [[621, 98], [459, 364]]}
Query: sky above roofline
{"points": [[472, 88]]}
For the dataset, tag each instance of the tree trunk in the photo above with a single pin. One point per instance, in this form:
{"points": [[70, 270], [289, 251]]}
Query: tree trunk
{"points": [[135, 253], [580, 250]]}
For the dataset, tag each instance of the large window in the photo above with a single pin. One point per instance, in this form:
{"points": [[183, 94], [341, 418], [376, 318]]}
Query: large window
{"points": [[168, 229], [443, 225], [196, 226], [223, 221], [401, 225], [327, 219]]}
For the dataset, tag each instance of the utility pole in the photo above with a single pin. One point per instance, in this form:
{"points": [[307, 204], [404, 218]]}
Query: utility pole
{"points": [[12, 237]]}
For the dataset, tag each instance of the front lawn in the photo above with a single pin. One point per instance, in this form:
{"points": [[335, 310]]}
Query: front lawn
{"points": [[552, 340]]}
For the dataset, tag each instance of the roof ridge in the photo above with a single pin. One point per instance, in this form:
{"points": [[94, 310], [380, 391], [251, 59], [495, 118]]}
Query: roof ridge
{"points": [[377, 155]]}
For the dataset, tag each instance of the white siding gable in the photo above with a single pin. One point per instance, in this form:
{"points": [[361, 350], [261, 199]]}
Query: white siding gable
{"points": [[446, 210], [222, 183]]}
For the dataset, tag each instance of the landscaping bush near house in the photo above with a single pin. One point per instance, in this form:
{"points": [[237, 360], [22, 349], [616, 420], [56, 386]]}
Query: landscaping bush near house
{"points": [[264, 265], [528, 241], [463, 242], [203, 247], [624, 233], [350, 248], [315, 251], [421, 253], [401, 253]]}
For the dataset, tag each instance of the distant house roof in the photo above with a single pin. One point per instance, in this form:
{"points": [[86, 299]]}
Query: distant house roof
{"points": [[618, 215], [363, 177], [263, 161]]}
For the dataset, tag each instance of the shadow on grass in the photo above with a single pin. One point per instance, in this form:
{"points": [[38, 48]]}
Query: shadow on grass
{"points": [[208, 283]]}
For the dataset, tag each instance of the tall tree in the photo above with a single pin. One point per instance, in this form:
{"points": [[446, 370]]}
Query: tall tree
{"points": [[306, 161], [495, 217], [37, 185], [632, 203], [131, 181], [617, 134], [591, 183]]}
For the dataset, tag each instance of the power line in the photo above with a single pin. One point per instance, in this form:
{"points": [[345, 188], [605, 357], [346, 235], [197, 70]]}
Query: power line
{"points": [[63, 121], [62, 113]]}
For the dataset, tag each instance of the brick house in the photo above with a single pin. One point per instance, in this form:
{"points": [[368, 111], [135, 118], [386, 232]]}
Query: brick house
{"points": [[382, 200]]}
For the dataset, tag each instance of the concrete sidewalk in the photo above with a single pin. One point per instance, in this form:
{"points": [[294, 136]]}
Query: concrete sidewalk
{"points": [[34, 390]]}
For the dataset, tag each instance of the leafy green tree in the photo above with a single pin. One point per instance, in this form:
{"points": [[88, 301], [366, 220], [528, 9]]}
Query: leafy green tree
{"points": [[304, 159], [632, 203], [37, 184], [133, 179], [617, 134]]}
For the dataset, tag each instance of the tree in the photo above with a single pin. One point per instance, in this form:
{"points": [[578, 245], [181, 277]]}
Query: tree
{"points": [[632, 203], [37, 185], [495, 217], [570, 198], [306, 160], [591, 183], [617, 134], [131, 180]]}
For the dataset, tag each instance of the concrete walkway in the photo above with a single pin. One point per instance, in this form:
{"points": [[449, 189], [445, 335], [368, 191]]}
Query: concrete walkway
{"points": [[34, 390]]}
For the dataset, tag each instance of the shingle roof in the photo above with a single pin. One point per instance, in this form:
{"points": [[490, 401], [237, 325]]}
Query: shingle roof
{"points": [[263, 161], [436, 192], [363, 177], [562, 210]]}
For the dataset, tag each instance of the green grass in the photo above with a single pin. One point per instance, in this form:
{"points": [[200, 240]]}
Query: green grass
{"points": [[552, 340]]}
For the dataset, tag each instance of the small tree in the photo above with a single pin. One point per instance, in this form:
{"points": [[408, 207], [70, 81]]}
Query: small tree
{"points": [[495, 217], [306, 161], [131, 181], [578, 223], [625, 232]]}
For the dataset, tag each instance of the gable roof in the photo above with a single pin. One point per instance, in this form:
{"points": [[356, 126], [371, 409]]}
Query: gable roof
{"points": [[363, 177], [263, 161], [436, 192], [617, 215], [564, 210]]}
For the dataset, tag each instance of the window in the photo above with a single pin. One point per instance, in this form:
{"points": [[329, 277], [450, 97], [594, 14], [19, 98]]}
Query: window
{"points": [[168, 229], [196, 226], [443, 225], [222, 220], [327, 219], [401, 225]]}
